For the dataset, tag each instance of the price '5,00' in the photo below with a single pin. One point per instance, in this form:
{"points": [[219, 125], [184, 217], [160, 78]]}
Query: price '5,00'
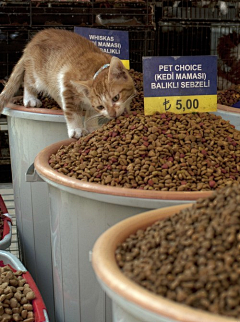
{"points": [[182, 105]]}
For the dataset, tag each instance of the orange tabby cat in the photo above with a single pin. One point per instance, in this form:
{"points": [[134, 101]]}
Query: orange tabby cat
{"points": [[74, 72]]}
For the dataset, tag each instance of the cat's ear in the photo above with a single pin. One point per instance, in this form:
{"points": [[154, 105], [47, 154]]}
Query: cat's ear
{"points": [[81, 86], [117, 71]]}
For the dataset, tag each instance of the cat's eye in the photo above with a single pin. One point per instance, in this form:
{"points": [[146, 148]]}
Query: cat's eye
{"points": [[100, 107], [115, 98]]}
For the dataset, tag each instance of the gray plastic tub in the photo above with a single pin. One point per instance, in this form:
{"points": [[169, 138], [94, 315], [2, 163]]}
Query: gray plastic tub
{"points": [[80, 212], [31, 130], [132, 302]]}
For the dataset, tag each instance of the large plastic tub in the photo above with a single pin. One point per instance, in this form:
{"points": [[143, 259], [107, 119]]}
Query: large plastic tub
{"points": [[30, 130], [39, 308], [80, 212], [5, 241], [131, 302]]}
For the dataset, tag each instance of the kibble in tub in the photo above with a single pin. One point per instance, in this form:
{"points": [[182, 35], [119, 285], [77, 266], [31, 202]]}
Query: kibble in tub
{"points": [[15, 297]]}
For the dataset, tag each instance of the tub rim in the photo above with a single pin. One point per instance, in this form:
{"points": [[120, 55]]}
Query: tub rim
{"points": [[110, 276], [44, 170], [225, 108], [37, 110], [40, 110], [21, 114], [44, 114], [32, 113], [60, 112]]}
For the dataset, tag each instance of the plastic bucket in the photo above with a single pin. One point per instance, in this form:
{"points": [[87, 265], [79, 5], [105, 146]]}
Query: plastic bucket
{"points": [[30, 130], [80, 212], [131, 302]]}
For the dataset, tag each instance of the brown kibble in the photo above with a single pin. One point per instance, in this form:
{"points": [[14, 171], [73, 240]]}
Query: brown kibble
{"points": [[6, 317], [2, 298], [24, 300], [8, 311], [15, 306], [24, 314], [13, 302], [1, 310], [181, 295], [4, 285], [30, 314], [26, 290], [9, 296], [22, 282], [18, 273], [27, 307], [13, 282], [30, 296], [18, 296], [16, 317], [108, 179], [7, 290], [16, 310]]}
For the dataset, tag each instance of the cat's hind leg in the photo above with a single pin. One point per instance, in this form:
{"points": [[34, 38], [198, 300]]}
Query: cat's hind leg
{"points": [[31, 90], [30, 97]]}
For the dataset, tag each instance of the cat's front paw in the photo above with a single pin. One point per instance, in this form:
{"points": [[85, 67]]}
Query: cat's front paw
{"points": [[77, 133]]}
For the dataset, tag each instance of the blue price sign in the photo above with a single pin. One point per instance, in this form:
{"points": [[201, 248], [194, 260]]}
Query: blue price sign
{"points": [[182, 84], [112, 42]]}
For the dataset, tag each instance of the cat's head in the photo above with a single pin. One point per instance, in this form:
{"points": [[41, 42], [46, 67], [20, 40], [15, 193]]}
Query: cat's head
{"points": [[110, 93]]}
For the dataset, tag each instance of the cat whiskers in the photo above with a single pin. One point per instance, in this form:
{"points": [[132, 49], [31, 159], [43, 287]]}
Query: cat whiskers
{"points": [[130, 97], [128, 102]]}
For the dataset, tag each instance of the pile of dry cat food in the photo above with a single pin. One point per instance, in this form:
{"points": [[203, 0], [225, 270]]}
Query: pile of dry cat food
{"points": [[230, 96], [137, 101], [168, 152], [16, 297], [191, 257]]}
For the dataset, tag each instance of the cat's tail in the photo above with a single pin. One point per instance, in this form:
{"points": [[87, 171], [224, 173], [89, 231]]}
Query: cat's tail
{"points": [[13, 84]]}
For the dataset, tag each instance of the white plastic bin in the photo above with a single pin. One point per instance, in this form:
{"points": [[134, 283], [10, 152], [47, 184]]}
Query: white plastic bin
{"points": [[80, 212], [131, 302], [30, 130]]}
